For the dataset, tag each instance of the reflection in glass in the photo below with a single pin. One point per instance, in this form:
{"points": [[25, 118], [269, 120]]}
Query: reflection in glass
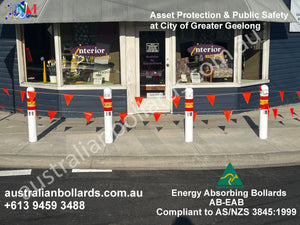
{"points": [[39, 50], [90, 53], [204, 56]]}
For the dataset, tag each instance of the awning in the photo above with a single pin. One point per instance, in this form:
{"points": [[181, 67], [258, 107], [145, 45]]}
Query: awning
{"points": [[65, 11]]}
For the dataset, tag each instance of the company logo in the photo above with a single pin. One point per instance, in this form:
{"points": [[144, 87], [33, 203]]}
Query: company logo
{"points": [[230, 179], [21, 10], [89, 50], [205, 49]]}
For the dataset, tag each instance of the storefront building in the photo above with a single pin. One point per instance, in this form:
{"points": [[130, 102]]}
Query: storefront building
{"points": [[139, 50]]}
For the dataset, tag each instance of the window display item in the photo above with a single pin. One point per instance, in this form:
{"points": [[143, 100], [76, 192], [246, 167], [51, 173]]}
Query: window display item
{"points": [[195, 77]]}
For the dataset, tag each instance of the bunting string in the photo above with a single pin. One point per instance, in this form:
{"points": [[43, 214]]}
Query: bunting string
{"points": [[139, 101], [124, 96], [202, 112]]}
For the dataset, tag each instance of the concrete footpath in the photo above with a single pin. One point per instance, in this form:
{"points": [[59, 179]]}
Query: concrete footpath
{"points": [[149, 145]]}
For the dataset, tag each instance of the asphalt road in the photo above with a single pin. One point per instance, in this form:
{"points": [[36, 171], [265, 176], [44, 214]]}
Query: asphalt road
{"points": [[148, 195]]}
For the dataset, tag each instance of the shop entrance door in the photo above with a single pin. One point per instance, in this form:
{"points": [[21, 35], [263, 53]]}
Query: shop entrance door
{"points": [[153, 71]]}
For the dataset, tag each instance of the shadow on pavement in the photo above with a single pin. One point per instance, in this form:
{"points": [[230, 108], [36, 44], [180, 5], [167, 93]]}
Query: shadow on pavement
{"points": [[176, 122], [159, 128], [87, 124], [49, 129], [296, 119], [67, 128], [5, 117], [99, 128], [182, 221], [253, 125], [117, 128], [222, 128], [234, 120], [205, 121], [145, 123]]}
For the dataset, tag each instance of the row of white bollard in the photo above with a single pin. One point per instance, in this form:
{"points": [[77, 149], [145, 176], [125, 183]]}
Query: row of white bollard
{"points": [[32, 121], [263, 121], [189, 110]]}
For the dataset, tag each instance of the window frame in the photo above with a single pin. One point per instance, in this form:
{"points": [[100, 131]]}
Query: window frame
{"points": [[237, 72], [20, 43]]}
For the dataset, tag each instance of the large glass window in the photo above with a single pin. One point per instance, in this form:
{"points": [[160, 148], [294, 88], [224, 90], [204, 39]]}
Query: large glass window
{"points": [[39, 53], [252, 49], [90, 53], [204, 55]]}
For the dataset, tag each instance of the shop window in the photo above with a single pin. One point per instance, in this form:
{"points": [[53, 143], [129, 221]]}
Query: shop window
{"points": [[39, 53], [252, 56], [204, 56], [90, 53]]}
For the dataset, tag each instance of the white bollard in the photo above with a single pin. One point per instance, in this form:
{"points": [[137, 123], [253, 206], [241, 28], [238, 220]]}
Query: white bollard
{"points": [[108, 126], [31, 115], [264, 108], [189, 110]]}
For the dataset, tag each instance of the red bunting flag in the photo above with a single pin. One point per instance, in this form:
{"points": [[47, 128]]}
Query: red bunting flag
{"points": [[292, 111], [281, 95], [194, 116], [22, 95], [51, 114], [68, 98], [6, 91], [211, 99], [247, 96], [176, 100], [20, 110], [122, 116], [228, 114], [298, 93], [88, 116], [156, 116], [139, 100], [102, 100], [2, 107], [31, 95], [275, 111]]}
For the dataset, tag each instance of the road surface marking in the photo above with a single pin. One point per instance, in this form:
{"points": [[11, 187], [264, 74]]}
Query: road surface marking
{"points": [[90, 171], [7, 173]]}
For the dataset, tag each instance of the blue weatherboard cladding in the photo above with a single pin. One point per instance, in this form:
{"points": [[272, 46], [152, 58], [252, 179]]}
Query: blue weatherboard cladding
{"points": [[226, 99], [89, 101], [82, 101], [284, 72], [203, 106], [8, 66], [254, 99]]}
